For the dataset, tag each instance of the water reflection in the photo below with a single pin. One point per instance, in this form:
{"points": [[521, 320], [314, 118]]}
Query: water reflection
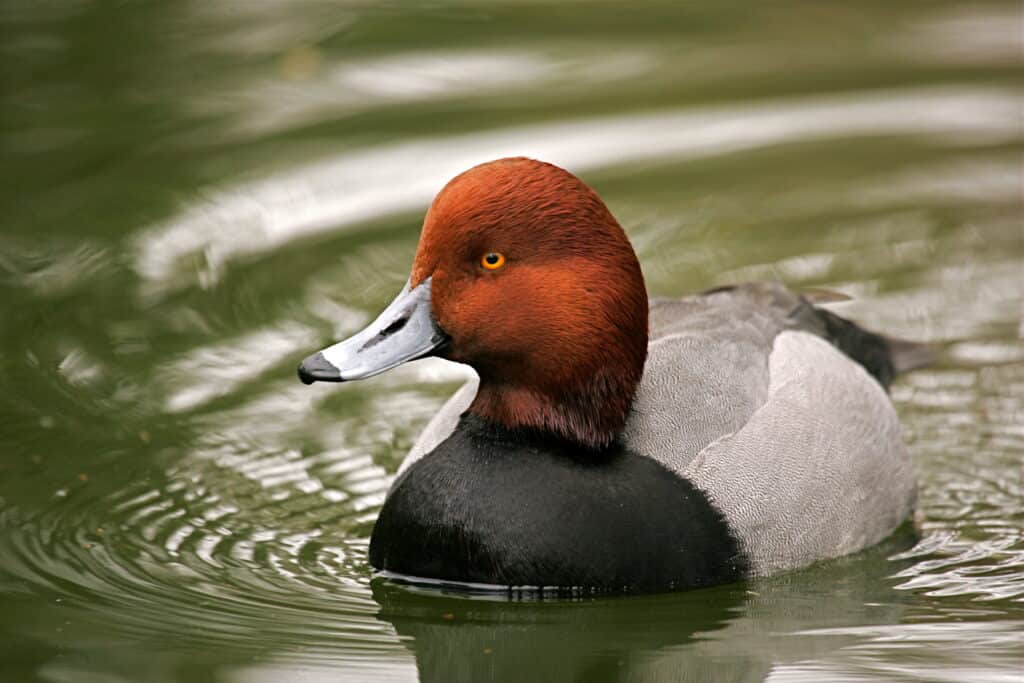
{"points": [[584, 641]]}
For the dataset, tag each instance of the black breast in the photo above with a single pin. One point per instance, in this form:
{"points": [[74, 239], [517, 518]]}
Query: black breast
{"points": [[487, 508]]}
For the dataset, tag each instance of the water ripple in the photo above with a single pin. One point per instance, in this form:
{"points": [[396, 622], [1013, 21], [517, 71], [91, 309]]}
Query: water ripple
{"points": [[346, 192]]}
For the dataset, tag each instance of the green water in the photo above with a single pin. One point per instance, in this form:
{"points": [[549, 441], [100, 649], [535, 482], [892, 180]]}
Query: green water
{"points": [[195, 195]]}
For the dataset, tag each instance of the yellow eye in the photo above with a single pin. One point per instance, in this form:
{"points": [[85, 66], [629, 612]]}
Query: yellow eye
{"points": [[492, 260]]}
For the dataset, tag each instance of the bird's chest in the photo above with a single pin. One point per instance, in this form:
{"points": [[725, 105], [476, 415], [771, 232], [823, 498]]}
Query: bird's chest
{"points": [[477, 512]]}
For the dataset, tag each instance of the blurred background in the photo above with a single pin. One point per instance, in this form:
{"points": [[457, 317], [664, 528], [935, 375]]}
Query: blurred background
{"points": [[197, 194]]}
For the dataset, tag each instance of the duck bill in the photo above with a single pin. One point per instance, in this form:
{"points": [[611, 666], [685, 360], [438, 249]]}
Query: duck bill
{"points": [[405, 331]]}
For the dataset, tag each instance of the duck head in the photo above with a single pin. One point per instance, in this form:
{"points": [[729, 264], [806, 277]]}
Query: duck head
{"points": [[522, 273]]}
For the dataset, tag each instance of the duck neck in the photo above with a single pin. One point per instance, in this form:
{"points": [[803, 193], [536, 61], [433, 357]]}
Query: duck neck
{"points": [[590, 412]]}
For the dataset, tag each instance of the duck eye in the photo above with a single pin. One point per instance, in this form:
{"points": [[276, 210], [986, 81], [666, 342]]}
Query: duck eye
{"points": [[492, 260]]}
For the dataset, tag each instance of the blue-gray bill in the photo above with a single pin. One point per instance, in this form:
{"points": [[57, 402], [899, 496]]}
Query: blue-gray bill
{"points": [[405, 331]]}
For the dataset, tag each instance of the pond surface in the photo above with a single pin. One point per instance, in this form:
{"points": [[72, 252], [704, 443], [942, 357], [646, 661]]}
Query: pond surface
{"points": [[197, 194]]}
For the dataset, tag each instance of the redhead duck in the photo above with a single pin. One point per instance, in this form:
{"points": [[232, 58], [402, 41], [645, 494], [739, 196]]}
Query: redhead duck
{"points": [[612, 443]]}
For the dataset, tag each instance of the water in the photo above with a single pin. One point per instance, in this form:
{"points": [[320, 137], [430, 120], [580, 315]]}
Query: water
{"points": [[198, 194]]}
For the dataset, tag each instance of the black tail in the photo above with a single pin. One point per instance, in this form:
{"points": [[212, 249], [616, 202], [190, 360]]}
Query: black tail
{"points": [[883, 357], [909, 355]]}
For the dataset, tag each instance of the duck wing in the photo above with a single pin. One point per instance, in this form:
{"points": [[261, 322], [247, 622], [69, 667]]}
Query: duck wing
{"points": [[778, 411], [708, 361]]}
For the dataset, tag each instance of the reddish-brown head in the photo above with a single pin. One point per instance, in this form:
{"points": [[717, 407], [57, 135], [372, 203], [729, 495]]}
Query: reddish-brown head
{"points": [[541, 293]]}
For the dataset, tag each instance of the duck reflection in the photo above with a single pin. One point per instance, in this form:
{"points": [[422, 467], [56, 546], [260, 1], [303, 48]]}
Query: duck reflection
{"points": [[476, 638]]}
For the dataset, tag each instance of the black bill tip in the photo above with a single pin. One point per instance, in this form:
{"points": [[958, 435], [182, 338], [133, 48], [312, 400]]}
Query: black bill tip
{"points": [[316, 369]]}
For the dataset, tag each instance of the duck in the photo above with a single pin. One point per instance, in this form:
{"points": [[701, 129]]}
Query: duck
{"points": [[610, 442]]}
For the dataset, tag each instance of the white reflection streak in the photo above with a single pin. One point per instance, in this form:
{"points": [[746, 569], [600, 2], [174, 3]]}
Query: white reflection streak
{"points": [[273, 104], [210, 372], [364, 185], [276, 103], [966, 35]]}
